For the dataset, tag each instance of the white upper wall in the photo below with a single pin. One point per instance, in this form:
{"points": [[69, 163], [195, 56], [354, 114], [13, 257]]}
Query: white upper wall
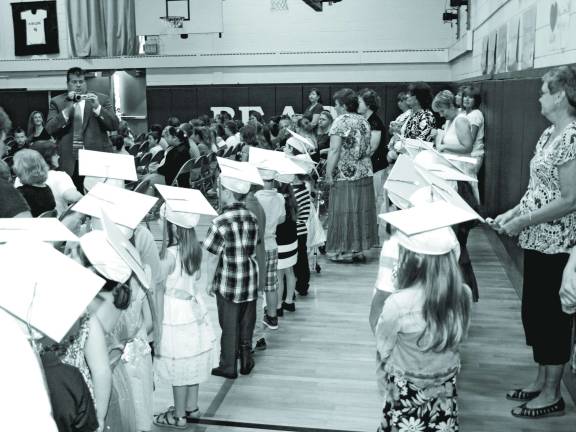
{"points": [[551, 48], [382, 40], [250, 26]]}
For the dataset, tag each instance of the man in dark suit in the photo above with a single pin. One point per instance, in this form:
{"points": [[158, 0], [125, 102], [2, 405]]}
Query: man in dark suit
{"points": [[80, 120]]}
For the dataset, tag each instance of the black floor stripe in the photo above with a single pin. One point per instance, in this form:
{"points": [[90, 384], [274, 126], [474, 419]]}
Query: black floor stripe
{"points": [[219, 398], [229, 423]]}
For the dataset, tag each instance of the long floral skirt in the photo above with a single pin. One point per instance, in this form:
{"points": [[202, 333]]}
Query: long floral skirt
{"points": [[408, 408], [352, 225]]}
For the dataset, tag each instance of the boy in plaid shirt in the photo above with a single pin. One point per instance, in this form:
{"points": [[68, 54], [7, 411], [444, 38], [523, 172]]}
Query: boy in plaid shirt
{"points": [[232, 267]]}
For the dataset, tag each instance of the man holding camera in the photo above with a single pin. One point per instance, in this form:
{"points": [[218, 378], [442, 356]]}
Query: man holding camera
{"points": [[80, 120]]}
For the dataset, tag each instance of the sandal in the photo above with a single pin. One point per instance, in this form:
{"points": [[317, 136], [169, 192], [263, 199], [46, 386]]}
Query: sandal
{"points": [[193, 416], [521, 395], [168, 419], [556, 409], [342, 258]]}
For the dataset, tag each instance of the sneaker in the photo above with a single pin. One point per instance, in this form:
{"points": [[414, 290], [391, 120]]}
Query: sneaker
{"points": [[261, 344], [290, 307], [280, 312], [270, 322]]}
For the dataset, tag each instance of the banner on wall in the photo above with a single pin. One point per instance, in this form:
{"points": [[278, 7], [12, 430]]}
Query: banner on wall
{"points": [[557, 31], [501, 45], [35, 28], [491, 63], [528, 38], [513, 44], [484, 56]]}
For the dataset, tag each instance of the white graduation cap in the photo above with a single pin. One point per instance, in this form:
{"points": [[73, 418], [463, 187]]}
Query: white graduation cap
{"points": [[444, 190], [90, 182], [39, 229], [183, 207], [300, 143], [53, 295], [125, 249], [438, 241], [238, 176], [103, 257], [107, 165], [123, 206], [427, 217], [404, 179], [409, 185], [271, 162], [304, 161], [417, 144], [438, 164]]}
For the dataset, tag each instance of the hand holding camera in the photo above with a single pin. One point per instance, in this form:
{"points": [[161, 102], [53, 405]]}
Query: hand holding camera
{"points": [[76, 97]]}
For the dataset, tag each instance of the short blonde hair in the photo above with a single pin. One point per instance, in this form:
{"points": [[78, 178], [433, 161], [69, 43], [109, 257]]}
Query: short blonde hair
{"points": [[444, 99], [30, 167]]}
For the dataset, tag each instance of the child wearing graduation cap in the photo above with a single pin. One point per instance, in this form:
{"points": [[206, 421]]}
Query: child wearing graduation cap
{"points": [[273, 204], [419, 333], [186, 351], [231, 242]]}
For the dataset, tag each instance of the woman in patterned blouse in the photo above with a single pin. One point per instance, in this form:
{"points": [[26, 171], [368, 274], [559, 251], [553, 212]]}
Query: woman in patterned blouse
{"points": [[545, 220], [421, 123], [352, 226]]}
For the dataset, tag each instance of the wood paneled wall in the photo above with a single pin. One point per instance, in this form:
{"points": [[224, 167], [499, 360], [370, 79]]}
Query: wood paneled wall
{"points": [[187, 102], [18, 104], [513, 126]]}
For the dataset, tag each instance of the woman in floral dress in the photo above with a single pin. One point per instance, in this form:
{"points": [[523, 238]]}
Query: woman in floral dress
{"points": [[352, 226]]}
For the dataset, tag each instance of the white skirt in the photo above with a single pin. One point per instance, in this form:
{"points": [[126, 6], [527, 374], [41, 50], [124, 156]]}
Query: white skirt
{"points": [[187, 353]]}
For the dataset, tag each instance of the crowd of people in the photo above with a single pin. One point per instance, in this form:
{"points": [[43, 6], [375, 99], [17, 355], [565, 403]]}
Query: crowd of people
{"points": [[256, 249]]}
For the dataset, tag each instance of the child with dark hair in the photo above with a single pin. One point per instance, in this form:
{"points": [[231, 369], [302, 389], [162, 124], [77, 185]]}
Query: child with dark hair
{"points": [[287, 239]]}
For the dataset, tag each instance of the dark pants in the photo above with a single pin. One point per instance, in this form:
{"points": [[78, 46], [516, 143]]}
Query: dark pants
{"points": [[548, 330], [237, 323], [302, 268], [468, 276], [462, 230], [78, 179]]}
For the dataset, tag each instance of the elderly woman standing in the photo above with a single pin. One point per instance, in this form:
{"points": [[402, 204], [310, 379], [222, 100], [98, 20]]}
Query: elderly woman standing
{"points": [[545, 220], [352, 224]]}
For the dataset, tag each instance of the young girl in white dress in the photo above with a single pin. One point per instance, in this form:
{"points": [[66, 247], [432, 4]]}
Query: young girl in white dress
{"points": [[186, 353]]}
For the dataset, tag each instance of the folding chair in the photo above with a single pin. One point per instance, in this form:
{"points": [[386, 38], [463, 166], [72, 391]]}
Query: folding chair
{"points": [[140, 138], [157, 158], [133, 150], [143, 162], [184, 169], [143, 148]]}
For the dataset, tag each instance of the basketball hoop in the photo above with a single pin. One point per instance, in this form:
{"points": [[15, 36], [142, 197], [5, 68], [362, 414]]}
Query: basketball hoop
{"points": [[278, 5], [173, 23]]}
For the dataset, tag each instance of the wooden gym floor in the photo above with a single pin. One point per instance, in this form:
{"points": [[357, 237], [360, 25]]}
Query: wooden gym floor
{"points": [[318, 373]]}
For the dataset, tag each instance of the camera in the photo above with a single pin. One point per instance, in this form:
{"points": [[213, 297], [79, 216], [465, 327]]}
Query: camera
{"points": [[76, 97]]}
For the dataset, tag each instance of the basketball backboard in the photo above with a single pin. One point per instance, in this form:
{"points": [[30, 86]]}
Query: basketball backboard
{"points": [[199, 16]]}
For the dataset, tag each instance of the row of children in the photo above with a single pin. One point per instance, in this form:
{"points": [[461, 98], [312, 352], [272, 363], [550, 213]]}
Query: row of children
{"points": [[116, 292]]}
